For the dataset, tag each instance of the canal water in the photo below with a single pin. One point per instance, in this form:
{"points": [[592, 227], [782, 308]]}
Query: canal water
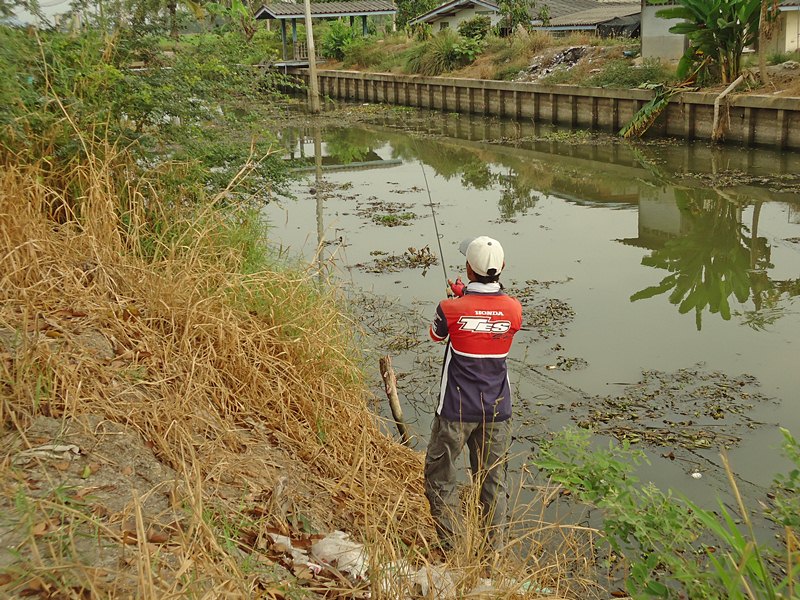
{"points": [[660, 281]]}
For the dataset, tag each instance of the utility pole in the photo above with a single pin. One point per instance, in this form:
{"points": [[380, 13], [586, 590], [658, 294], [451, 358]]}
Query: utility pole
{"points": [[313, 85]]}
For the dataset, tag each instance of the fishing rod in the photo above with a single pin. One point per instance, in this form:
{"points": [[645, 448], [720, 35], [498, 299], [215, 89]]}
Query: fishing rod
{"points": [[436, 228]]}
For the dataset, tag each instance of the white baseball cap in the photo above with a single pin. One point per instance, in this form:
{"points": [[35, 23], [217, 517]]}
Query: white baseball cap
{"points": [[484, 255]]}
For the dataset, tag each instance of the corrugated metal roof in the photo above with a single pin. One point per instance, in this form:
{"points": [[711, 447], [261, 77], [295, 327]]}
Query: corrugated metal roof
{"points": [[560, 8], [290, 10], [596, 15], [789, 3], [452, 6]]}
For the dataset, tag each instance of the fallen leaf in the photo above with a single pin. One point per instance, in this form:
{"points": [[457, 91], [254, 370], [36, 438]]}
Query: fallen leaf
{"points": [[129, 538], [303, 573], [41, 528], [62, 465], [157, 536], [127, 471], [5, 579]]}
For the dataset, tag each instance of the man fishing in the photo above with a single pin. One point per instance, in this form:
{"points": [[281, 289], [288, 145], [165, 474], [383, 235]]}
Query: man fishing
{"points": [[475, 397]]}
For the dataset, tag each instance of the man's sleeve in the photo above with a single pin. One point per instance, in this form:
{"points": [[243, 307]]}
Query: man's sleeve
{"points": [[438, 330]]}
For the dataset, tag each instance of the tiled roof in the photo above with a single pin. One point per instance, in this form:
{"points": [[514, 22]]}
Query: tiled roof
{"points": [[598, 14], [290, 10]]}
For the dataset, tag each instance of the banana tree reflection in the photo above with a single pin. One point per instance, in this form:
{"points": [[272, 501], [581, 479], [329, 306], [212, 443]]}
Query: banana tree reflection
{"points": [[717, 258]]}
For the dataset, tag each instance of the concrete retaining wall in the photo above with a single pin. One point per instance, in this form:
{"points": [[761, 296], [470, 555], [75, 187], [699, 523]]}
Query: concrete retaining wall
{"points": [[754, 120]]}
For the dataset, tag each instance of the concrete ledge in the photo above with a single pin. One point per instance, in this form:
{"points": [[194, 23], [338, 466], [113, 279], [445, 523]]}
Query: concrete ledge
{"points": [[752, 120]]}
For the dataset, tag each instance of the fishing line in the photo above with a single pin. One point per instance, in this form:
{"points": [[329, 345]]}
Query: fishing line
{"points": [[435, 224]]}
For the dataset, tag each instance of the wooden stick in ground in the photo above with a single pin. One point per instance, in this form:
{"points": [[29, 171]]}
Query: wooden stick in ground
{"points": [[390, 385]]}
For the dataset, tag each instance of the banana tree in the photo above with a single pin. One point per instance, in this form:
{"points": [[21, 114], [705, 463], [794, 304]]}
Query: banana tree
{"points": [[717, 29]]}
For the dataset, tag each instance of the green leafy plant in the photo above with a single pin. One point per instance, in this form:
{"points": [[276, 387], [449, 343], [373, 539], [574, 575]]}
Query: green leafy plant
{"points": [[718, 31], [515, 13], [675, 548], [622, 74], [477, 27], [335, 39], [364, 52], [786, 487], [446, 51]]}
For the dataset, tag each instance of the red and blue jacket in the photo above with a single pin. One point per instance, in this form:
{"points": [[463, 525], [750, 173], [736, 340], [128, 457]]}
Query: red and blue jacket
{"points": [[481, 325]]}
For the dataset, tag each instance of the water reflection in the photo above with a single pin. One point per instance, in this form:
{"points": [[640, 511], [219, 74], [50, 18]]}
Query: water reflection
{"points": [[707, 239], [716, 256]]}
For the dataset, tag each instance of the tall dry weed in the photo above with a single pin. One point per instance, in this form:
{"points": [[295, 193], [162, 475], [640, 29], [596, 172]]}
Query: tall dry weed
{"points": [[208, 364], [118, 306]]}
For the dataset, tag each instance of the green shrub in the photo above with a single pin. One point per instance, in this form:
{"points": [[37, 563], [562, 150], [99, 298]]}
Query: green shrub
{"points": [[622, 74], [507, 72], [421, 32], [467, 49], [676, 549], [444, 52], [475, 28], [781, 57], [335, 38], [363, 52], [520, 46]]}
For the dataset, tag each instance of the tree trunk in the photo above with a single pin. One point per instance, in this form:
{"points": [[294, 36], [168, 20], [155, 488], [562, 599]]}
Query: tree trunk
{"points": [[763, 38], [172, 8]]}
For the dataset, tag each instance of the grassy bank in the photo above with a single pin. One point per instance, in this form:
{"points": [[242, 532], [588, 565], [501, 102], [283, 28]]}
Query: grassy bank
{"points": [[483, 55], [172, 396]]}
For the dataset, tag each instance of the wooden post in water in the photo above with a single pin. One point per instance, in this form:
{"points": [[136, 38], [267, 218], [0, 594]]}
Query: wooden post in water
{"points": [[313, 85], [390, 384]]}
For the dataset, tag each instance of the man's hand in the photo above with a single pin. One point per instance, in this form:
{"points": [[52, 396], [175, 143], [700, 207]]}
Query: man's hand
{"points": [[457, 287]]}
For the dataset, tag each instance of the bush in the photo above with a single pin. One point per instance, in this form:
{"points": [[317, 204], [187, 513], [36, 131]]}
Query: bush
{"points": [[335, 38], [444, 52], [781, 57], [622, 74], [520, 46], [476, 28], [363, 52]]}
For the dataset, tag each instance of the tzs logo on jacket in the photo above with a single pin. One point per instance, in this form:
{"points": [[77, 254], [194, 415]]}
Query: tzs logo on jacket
{"points": [[483, 325]]}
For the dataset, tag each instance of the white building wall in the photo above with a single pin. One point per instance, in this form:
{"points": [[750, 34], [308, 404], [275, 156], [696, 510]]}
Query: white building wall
{"points": [[465, 15], [657, 41], [786, 35]]}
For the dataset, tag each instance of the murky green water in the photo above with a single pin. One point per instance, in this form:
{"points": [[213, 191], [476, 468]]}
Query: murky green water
{"points": [[678, 261]]}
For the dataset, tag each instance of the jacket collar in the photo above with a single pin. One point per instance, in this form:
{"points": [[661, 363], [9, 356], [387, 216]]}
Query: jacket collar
{"points": [[476, 287]]}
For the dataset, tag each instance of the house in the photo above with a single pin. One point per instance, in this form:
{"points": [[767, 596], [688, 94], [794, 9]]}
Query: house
{"points": [[786, 33], [545, 12], [451, 14], [657, 40], [605, 19]]}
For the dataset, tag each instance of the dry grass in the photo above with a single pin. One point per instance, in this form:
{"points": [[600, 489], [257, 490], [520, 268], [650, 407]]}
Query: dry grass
{"points": [[238, 382], [223, 362]]}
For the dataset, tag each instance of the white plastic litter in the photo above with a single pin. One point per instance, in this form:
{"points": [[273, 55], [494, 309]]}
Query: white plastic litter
{"points": [[486, 587], [395, 579], [54, 451], [436, 581], [299, 556], [338, 550]]}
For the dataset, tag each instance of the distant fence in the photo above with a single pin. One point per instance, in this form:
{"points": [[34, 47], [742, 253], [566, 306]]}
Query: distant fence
{"points": [[752, 120]]}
